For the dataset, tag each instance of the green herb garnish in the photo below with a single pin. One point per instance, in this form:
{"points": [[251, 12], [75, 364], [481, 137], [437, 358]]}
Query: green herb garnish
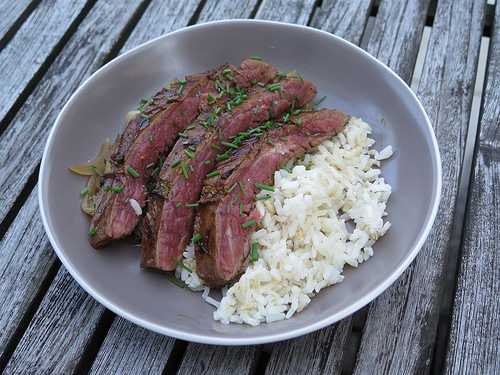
{"points": [[84, 192], [210, 99], [131, 171], [174, 280], [189, 153], [176, 163], [213, 174], [229, 144], [254, 254], [192, 205], [181, 263], [196, 238], [255, 57], [92, 232], [274, 87], [248, 223], [262, 186], [262, 197], [184, 169], [117, 189]]}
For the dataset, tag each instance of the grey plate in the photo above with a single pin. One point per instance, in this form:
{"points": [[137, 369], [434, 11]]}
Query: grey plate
{"points": [[353, 82]]}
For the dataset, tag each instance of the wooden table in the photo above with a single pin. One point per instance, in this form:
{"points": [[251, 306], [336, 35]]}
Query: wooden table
{"points": [[441, 315]]}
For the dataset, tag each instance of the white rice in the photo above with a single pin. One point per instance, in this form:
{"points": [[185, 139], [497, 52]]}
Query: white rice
{"points": [[305, 237]]}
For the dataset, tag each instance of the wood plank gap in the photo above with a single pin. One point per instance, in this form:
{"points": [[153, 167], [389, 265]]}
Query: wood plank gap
{"points": [[176, 357], [419, 63], [261, 361], [129, 27], [374, 8], [18, 23], [353, 344], [316, 6], [490, 19], [256, 9], [454, 252], [88, 356], [431, 13], [196, 15], [28, 89], [19, 202], [30, 312]]}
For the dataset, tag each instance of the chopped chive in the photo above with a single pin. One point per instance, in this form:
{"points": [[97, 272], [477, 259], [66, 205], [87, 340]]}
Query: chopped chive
{"points": [[222, 157], [232, 188], [213, 174], [190, 127], [217, 110], [117, 189], [174, 280], [320, 101], [262, 197], [184, 169], [254, 255], [207, 161], [242, 188], [176, 163], [298, 122], [229, 144], [84, 192], [286, 117], [288, 169], [191, 205], [241, 209], [182, 84], [92, 232], [189, 153], [274, 87], [262, 186], [178, 204], [229, 106], [182, 135], [248, 223], [281, 75], [297, 112], [255, 57], [215, 147], [131, 171], [181, 263], [192, 148], [196, 238], [210, 99]]}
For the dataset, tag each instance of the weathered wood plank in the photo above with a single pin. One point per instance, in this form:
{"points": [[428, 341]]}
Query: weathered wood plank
{"points": [[474, 340], [12, 14], [21, 144], [160, 18], [318, 353], [25, 259], [226, 9], [43, 30], [400, 330], [344, 18], [129, 349], [206, 360], [397, 33], [59, 331], [296, 11]]}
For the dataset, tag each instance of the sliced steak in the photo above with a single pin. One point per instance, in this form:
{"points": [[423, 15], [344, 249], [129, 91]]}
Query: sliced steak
{"points": [[175, 227], [224, 225], [148, 137]]}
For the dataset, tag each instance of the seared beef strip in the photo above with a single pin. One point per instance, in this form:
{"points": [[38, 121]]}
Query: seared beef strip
{"points": [[224, 225], [175, 226], [146, 138]]}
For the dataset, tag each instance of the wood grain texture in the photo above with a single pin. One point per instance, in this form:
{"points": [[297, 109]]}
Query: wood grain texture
{"points": [[400, 330], [215, 360], [161, 17], [43, 30], [293, 11], [129, 349], [59, 331], [320, 352], [225, 9], [474, 340], [25, 258], [22, 143], [345, 18], [397, 33], [13, 13]]}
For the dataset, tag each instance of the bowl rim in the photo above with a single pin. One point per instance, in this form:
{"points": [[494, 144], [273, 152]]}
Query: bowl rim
{"points": [[206, 339]]}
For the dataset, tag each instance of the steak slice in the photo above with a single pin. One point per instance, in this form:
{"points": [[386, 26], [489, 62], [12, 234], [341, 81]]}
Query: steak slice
{"points": [[175, 226], [224, 225], [148, 137]]}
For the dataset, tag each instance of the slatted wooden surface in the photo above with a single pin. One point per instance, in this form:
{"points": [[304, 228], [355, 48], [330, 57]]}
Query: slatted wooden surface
{"points": [[441, 315]]}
